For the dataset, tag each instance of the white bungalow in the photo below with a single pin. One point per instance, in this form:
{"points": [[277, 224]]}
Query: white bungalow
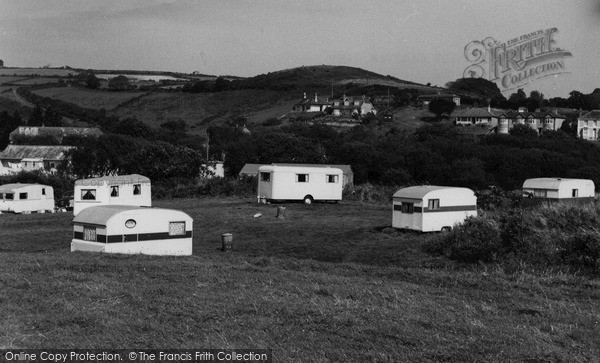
{"points": [[560, 189], [131, 190], [133, 230], [429, 208], [26, 198], [304, 183]]}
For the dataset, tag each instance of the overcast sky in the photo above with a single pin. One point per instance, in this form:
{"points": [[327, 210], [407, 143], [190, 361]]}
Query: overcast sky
{"points": [[420, 41]]}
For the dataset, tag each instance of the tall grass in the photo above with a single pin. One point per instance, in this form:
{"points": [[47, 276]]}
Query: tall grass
{"points": [[559, 235]]}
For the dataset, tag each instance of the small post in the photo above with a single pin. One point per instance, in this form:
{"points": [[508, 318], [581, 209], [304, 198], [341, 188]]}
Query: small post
{"points": [[280, 212], [227, 242]]}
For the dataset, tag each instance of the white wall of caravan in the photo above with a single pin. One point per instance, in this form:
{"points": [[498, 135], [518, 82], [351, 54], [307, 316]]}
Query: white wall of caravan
{"points": [[283, 183], [103, 189]]}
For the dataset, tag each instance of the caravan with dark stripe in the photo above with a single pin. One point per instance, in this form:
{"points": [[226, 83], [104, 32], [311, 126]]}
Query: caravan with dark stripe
{"points": [[429, 208]]}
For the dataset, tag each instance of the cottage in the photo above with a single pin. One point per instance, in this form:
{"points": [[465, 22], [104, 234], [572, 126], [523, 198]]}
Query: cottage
{"points": [[16, 158], [132, 230], [315, 104], [26, 198], [588, 126], [303, 183], [558, 189], [352, 107], [130, 190], [430, 208], [475, 116]]}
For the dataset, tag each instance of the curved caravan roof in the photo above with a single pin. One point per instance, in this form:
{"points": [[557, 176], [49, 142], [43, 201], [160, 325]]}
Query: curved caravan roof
{"points": [[102, 215], [7, 188], [422, 191], [554, 183], [297, 169], [114, 179]]}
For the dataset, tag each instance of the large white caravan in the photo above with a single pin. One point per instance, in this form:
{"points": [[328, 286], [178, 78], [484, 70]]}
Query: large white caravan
{"points": [[132, 230], [26, 198], [132, 190], [303, 183], [429, 208], [559, 189]]}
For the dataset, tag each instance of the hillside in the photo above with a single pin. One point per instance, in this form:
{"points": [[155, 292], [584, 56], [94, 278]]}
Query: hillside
{"points": [[324, 76]]}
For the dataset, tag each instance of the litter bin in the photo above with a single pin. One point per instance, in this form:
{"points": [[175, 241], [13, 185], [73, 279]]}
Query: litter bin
{"points": [[227, 242]]}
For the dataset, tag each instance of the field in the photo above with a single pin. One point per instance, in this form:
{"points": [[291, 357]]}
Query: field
{"points": [[43, 72], [88, 98], [328, 283]]}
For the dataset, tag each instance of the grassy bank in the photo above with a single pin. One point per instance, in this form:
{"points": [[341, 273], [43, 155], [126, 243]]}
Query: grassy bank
{"points": [[330, 282]]}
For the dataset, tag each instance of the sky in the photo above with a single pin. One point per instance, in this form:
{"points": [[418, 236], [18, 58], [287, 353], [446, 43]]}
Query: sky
{"points": [[420, 41]]}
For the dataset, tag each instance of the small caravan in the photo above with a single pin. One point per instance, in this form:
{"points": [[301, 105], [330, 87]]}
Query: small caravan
{"points": [[132, 190], [303, 183], [132, 230], [559, 189], [430, 208], [26, 198]]}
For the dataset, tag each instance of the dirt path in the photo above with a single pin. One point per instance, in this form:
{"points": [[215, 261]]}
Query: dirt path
{"points": [[21, 100]]}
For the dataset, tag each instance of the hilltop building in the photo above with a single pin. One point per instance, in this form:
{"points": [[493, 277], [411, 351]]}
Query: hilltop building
{"points": [[58, 133], [345, 106], [588, 126], [16, 158], [424, 100]]}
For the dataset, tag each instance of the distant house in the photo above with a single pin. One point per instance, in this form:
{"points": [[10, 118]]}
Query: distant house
{"points": [[475, 116], [588, 126], [347, 179], [352, 106], [214, 169], [58, 133], [424, 100], [345, 106], [315, 104], [538, 121], [16, 158]]}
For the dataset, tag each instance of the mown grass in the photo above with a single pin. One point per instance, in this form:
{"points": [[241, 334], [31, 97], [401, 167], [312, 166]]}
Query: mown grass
{"points": [[330, 282], [87, 98]]}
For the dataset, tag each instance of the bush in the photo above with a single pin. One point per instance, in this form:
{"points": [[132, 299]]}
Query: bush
{"points": [[477, 239]]}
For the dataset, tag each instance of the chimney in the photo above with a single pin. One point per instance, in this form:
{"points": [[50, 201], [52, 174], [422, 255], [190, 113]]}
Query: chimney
{"points": [[316, 99], [489, 108], [304, 96]]}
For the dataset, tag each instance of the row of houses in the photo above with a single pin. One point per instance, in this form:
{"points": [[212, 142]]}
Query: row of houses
{"points": [[504, 120], [349, 106]]}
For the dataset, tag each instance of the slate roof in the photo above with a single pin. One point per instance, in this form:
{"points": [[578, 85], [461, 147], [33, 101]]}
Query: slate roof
{"points": [[18, 152], [58, 132], [592, 115], [475, 112]]}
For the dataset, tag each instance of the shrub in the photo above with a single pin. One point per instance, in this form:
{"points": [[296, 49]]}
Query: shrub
{"points": [[477, 239]]}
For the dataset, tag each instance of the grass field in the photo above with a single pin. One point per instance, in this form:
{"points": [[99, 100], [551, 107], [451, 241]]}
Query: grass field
{"points": [[88, 98], [43, 72], [328, 283]]}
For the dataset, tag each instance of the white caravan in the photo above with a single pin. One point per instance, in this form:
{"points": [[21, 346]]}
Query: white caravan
{"points": [[132, 190], [26, 198], [560, 189], [430, 208], [303, 183], [133, 230]]}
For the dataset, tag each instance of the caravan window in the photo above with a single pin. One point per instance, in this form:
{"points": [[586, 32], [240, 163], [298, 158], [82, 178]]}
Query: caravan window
{"points": [[9, 196], [408, 207], [575, 193], [176, 228], [540, 193], [22, 195], [88, 194], [302, 178], [137, 189], [89, 234], [265, 177], [114, 191], [433, 204], [43, 191], [332, 178]]}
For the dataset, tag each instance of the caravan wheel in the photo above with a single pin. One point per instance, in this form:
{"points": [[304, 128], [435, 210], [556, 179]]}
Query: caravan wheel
{"points": [[308, 199], [446, 229]]}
